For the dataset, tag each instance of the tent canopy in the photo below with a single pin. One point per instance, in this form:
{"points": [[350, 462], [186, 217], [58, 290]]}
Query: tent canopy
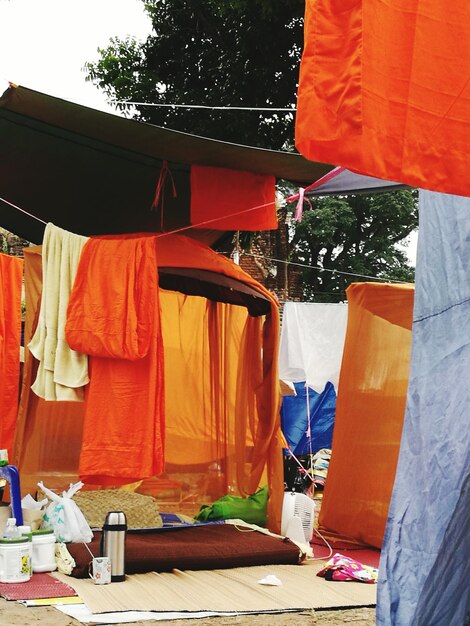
{"points": [[94, 173]]}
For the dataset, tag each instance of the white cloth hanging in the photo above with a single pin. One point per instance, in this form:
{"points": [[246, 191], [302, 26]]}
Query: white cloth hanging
{"points": [[62, 372], [312, 341]]}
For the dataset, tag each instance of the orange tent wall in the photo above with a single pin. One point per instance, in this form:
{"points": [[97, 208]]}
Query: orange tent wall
{"points": [[369, 412], [221, 387]]}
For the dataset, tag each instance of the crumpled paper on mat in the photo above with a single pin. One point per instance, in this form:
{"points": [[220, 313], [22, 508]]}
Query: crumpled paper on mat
{"points": [[270, 579]]}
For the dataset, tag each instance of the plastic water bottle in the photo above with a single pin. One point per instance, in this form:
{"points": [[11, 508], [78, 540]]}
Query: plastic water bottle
{"points": [[11, 529]]}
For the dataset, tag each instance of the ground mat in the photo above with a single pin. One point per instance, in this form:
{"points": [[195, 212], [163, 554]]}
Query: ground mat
{"points": [[202, 547], [226, 590], [38, 587]]}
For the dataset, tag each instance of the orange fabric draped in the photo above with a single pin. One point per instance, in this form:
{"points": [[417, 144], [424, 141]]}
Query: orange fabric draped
{"points": [[230, 198], [384, 90], [113, 316], [48, 434], [11, 275], [369, 412], [221, 406], [222, 427], [229, 362]]}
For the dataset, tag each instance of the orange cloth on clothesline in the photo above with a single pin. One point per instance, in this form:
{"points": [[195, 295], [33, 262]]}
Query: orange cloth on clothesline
{"points": [[11, 275], [222, 391], [384, 90], [114, 317]]}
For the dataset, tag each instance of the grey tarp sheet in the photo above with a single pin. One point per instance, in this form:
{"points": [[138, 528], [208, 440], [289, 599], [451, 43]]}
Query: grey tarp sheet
{"points": [[341, 181], [425, 563]]}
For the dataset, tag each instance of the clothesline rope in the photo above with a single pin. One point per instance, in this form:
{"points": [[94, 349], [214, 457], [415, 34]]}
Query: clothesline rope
{"points": [[170, 232], [23, 211], [205, 106], [326, 269], [214, 219], [259, 256]]}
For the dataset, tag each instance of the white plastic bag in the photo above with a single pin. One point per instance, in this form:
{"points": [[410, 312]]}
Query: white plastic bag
{"points": [[64, 516]]}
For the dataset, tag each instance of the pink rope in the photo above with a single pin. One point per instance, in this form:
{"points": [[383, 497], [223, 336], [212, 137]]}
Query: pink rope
{"points": [[301, 467], [160, 189], [300, 205], [23, 211], [321, 181]]}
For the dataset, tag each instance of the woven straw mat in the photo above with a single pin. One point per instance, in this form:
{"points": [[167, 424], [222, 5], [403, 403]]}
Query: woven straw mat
{"points": [[141, 511]]}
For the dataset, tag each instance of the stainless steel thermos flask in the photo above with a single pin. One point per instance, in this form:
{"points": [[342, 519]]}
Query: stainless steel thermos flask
{"points": [[113, 544]]}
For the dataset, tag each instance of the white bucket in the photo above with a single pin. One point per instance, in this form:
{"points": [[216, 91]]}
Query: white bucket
{"points": [[15, 565], [44, 551]]}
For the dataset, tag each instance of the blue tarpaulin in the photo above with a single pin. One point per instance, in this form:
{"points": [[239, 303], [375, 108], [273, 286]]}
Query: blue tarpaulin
{"points": [[425, 564], [322, 408]]}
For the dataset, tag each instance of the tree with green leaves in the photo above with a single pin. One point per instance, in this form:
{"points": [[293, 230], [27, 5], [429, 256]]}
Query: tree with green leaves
{"points": [[356, 234], [241, 53], [246, 53]]}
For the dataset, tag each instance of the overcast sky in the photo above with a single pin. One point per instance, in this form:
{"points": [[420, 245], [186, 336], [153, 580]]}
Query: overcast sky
{"points": [[44, 44]]}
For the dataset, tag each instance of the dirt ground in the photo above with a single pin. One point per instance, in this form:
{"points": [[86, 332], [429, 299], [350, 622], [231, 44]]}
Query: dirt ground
{"points": [[15, 614]]}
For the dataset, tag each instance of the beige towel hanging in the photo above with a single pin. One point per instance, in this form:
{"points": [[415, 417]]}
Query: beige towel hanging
{"points": [[62, 372]]}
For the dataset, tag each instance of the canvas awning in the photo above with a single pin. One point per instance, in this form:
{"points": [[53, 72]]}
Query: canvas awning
{"points": [[343, 181], [92, 172]]}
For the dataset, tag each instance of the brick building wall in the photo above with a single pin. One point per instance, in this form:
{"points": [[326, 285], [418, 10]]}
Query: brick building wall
{"points": [[11, 244], [282, 279]]}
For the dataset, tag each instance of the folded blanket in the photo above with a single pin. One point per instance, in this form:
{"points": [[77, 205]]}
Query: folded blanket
{"points": [[62, 372], [114, 316], [211, 546]]}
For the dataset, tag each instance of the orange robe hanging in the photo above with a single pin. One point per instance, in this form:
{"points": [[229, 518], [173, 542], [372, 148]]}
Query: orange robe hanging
{"points": [[11, 274], [114, 317], [384, 90]]}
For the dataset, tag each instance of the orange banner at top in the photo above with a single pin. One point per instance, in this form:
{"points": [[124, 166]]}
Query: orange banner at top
{"points": [[384, 90]]}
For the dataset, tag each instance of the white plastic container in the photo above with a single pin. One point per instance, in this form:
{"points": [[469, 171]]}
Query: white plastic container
{"points": [[15, 565], [44, 551], [25, 531]]}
